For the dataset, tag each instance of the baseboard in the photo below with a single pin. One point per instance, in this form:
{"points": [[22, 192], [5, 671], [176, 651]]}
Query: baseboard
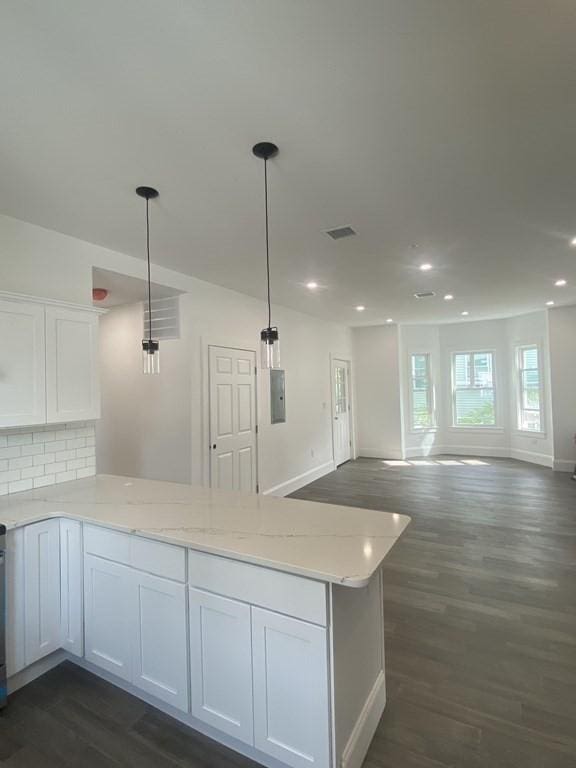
{"points": [[35, 670], [370, 453], [295, 483], [564, 465], [365, 727], [533, 458]]}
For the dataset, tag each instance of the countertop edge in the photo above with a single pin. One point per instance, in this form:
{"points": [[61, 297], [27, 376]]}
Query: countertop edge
{"points": [[352, 581]]}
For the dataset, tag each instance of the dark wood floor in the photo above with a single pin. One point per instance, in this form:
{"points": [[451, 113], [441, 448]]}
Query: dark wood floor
{"points": [[480, 602]]}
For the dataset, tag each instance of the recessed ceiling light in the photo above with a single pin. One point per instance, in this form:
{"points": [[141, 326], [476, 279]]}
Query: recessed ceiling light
{"points": [[573, 242], [425, 267], [360, 308], [448, 297], [389, 320], [549, 303], [312, 285], [465, 313], [560, 283]]}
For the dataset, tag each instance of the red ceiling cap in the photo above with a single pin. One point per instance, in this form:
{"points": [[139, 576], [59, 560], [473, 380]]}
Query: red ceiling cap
{"points": [[99, 294]]}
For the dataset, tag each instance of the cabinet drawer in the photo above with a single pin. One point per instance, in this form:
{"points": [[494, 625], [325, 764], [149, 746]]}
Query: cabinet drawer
{"points": [[282, 592], [144, 554]]}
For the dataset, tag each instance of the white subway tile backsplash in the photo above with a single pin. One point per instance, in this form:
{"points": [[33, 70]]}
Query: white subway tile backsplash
{"points": [[14, 474], [24, 439], [20, 463], [33, 450], [64, 477], [52, 469], [65, 455], [78, 442], [44, 458], [33, 457], [43, 437], [76, 464], [88, 472], [32, 472], [55, 445], [83, 453], [19, 485], [10, 453], [40, 482]]}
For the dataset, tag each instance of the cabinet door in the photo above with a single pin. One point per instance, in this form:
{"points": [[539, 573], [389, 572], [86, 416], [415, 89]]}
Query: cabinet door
{"points": [[71, 596], [15, 659], [72, 386], [22, 364], [221, 664], [291, 703], [160, 652], [108, 615], [41, 589]]}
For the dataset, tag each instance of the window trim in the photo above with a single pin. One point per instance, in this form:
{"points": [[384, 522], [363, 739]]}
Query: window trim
{"points": [[414, 428], [496, 427], [518, 347]]}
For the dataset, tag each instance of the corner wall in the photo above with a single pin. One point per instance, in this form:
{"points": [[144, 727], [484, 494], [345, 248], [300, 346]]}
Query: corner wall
{"points": [[377, 389], [563, 361]]}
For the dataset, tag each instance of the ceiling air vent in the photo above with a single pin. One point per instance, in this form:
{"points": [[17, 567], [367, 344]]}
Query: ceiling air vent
{"points": [[340, 232], [424, 295]]}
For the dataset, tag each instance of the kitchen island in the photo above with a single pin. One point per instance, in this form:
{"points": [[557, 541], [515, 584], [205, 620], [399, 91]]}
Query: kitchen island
{"points": [[256, 620]]}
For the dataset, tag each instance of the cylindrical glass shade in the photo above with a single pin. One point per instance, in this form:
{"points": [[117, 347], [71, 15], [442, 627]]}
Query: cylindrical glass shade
{"points": [[150, 356], [270, 348]]}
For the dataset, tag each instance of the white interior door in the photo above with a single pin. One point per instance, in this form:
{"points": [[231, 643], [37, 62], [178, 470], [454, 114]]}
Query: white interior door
{"points": [[232, 419], [341, 411]]}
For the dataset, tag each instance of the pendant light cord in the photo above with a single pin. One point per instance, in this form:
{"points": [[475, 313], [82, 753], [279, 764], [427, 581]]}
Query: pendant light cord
{"points": [[148, 258], [267, 240]]}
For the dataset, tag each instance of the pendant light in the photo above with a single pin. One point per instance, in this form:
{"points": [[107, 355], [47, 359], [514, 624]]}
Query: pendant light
{"points": [[150, 347], [269, 343]]}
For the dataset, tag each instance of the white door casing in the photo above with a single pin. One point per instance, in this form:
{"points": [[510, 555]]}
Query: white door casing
{"points": [[232, 387], [341, 408]]}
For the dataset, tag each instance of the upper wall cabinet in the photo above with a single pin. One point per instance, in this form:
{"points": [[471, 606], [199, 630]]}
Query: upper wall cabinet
{"points": [[72, 390], [22, 364], [48, 365]]}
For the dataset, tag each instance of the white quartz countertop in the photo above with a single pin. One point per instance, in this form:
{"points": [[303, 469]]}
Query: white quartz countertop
{"points": [[343, 545]]}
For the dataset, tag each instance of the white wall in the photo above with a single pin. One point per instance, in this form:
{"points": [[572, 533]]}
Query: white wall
{"points": [[377, 389], [562, 323], [156, 426], [522, 330]]}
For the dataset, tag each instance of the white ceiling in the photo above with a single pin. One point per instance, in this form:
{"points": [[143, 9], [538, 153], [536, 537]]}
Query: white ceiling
{"points": [[124, 289], [441, 130]]}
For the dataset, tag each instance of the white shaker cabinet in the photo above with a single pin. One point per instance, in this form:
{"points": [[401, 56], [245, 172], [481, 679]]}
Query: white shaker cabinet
{"points": [[108, 615], [72, 386], [221, 663], [160, 639], [41, 589], [291, 701], [71, 577], [22, 364]]}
